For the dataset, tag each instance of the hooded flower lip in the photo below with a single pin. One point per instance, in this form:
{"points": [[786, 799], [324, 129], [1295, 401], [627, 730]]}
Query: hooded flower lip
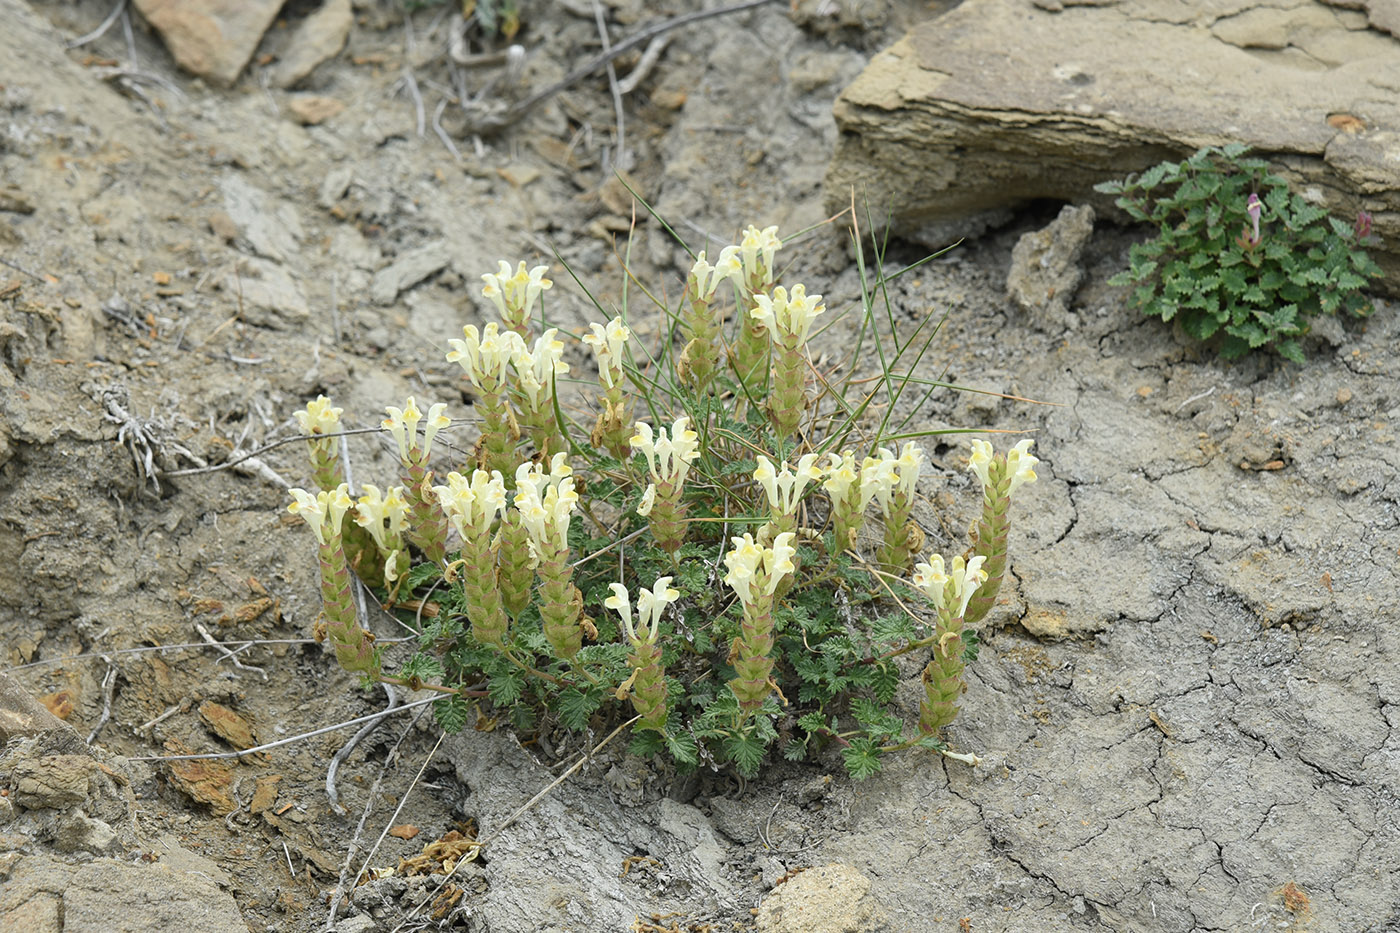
{"points": [[785, 487], [706, 278], [878, 478], [546, 506], [403, 424], [757, 250], [319, 416], [514, 295], [608, 342], [472, 505], [788, 317], [322, 511], [650, 605], [747, 559], [485, 355], [376, 508], [841, 474], [669, 456], [1020, 464], [536, 369], [950, 589]]}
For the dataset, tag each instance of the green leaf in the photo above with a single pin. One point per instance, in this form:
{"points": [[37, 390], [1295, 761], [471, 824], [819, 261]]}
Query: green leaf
{"points": [[1290, 350], [451, 713], [745, 750], [575, 708], [862, 758], [682, 747], [505, 688]]}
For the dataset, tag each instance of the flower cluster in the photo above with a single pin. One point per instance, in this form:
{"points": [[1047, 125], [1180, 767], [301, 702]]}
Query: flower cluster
{"points": [[668, 459]]}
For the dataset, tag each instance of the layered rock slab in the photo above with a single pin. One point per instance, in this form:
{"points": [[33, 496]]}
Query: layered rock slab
{"points": [[1000, 102]]}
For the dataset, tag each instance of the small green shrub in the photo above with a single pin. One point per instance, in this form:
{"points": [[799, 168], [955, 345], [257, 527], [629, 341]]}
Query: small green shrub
{"points": [[704, 580], [1238, 254]]}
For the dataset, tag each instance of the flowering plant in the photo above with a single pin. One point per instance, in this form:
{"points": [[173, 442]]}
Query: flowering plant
{"points": [[1238, 255], [732, 504]]}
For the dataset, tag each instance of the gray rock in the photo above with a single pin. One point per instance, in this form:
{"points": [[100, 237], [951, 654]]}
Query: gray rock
{"points": [[997, 103], [107, 896], [271, 228], [408, 270], [212, 38], [22, 716], [320, 37], [269, 296], [54, 782], [829, 899], [1045, 269], [78, 832]]}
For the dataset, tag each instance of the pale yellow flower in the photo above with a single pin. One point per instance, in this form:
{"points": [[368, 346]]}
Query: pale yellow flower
{"points": [[403, 424], [319, 417], [706, 277], [787, 317], [535, 369], [514, 295], [785, 487], [383, 514], [648, 501], [322, 511], [747, 559], [840, 474], [878, 478], [669, 456], [608, 343], [650, 605], [1021, 464], [757, 250], [472, 505], [950, 589], [546, 509], [485, 355]]}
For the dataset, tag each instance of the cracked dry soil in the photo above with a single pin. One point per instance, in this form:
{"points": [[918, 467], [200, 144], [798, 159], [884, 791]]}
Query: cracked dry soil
{"points": [[1187, 703]]}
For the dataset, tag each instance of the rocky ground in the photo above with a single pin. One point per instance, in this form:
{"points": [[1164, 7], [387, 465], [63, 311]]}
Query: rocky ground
{"points": [[1186, 705]]}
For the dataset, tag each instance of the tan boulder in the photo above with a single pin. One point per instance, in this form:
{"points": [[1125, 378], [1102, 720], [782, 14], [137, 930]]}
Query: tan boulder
{"points": [[212, 38]]}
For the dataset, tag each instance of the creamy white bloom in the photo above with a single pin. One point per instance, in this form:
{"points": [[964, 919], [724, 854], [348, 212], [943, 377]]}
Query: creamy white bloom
{"points": [[648, 501], [403, 424], [319, 417], [472, 505], [950, 589], [747, 559], [669, 456], [608, 343], [787, 317], [909, 465], [546, 509], [383, 514], [1020, 464], [841, 474], [785, 487], [485, 355], [757, 250], [322, 511], [706, 278], [514, 295], [730, 265], [535, 369], [650, 605], [878, 478]]}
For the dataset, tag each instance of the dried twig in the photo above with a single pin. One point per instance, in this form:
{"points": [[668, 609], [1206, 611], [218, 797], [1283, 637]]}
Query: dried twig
{"points": [[228, 655], [339, 758], [102, 28], [240, 753], [364, 817], [521, 811], [493, 119], [621, 159], [109, 689]]}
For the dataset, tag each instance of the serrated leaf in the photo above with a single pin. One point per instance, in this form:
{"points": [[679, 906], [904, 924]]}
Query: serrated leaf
{"points": [[746, 751], [452, 713], [575, 707], [682, 748], [862, 758]]}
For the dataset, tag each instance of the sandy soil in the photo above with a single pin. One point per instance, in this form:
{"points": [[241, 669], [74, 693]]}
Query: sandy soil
{"points": [[1187, 703]]}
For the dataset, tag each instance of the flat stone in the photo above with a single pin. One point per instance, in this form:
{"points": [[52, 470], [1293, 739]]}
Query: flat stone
{"points": [[107, 895], [270, 296], [408, 270], [271, 227], [52, 781], [212, 38], [319, 38], [1045, 267], [22, 716], [829, 899], [998, 103], [311, 109]]}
